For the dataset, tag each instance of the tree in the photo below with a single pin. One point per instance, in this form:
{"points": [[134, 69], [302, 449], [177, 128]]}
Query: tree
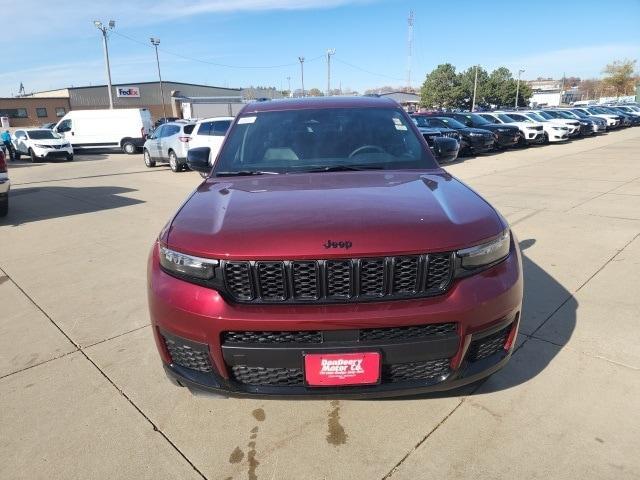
{"points": [[315, 92], [466, 80], [501, 89], [441, 88], [620, 77]]}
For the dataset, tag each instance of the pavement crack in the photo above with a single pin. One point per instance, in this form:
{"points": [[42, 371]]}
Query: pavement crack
{"points": [[424, 439], [80, 350]]}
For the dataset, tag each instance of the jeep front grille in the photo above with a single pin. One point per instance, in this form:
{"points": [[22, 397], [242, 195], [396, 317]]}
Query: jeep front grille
{"points": [[338, 281]]}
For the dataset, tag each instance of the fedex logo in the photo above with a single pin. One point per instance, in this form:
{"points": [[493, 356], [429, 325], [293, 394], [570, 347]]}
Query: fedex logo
{"points": [[128, 92]]}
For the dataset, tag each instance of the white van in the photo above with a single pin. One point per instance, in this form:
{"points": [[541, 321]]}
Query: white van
{"points": [[124, 128]]}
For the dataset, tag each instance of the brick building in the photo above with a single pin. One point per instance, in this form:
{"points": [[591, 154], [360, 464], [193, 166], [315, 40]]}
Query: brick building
{"points": [[29, 110]]}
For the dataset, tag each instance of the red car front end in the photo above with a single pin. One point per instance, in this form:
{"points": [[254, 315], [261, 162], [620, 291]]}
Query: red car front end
{"points": [[337, 283]]}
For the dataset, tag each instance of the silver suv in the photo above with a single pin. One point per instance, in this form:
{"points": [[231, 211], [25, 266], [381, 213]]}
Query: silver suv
{"points": [[169, 143]]}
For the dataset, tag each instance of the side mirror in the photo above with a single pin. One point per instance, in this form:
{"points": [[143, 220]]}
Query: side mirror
{"points": [[198, 159]]}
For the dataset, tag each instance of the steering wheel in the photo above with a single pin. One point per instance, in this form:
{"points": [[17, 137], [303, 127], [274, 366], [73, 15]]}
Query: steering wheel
{"points": [[366, 147]]}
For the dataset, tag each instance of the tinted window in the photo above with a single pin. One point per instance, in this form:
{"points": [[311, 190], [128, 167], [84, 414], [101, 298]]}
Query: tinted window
{"points": [[170, 130], [188, 129], [519, 118], [490, 118], [504, 118], [316, 139], [450, 123], [42, 135], [205, 128], [65, 125], [41, 112], [220, 128]]}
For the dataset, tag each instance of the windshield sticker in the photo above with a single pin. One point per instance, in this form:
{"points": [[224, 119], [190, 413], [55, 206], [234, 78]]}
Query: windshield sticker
{"points": [[400, 127], [397, 121], [242, 120]]}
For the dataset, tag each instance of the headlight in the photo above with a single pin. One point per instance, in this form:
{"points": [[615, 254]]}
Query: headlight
{"points": [[475, 134], [39, 145], [584, 123], [186, 265], [558, 128], [486, 254]]}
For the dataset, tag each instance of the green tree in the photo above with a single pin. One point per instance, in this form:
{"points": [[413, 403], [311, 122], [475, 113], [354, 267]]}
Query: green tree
{"points": [[315, 92], [465, 85], [620, 77], [501, 89], [441, 88]]}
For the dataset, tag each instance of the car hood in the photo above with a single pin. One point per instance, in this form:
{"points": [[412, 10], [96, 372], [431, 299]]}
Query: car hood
{"points": [[467, 130], [50, 141], [293, 216]]}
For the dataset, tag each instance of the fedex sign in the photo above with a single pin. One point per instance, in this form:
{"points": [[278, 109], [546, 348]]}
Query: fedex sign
{"points": [[128, 92]]}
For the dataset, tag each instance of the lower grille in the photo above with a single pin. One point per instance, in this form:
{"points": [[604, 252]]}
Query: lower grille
{"points": [[410, 372], [288, 377], [188, 354], [406, 333], [282, 377], [487, 346], [272, 337]]}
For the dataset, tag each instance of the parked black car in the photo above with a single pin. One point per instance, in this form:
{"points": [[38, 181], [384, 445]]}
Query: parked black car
{"points": [[506, 135], [586, 125], [472, 140], [628, 120], [444, 148]]}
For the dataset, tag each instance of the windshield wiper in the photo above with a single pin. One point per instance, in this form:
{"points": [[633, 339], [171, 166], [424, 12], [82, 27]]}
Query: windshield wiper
{"points": [[344, 168], [244, 173]]}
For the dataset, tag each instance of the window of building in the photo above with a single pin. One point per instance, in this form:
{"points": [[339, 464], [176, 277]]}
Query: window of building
{"points": [[41, 112], [60, 111], [14, 113]]}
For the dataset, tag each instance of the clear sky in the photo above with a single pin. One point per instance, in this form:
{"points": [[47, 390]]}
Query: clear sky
{"points": [[54, 44]]}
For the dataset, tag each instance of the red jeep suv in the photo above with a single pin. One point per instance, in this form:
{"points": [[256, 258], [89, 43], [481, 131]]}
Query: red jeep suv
{"points": [[327, 254]]}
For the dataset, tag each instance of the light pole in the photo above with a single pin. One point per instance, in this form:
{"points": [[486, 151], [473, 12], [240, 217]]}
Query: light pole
{"points": [[475, 86], [155, 42], [105, 30], [301, 60], [331, 51], [520, 72], [289, 82]]}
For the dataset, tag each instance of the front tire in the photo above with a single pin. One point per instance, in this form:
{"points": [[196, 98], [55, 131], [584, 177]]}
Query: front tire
{"points": [[173, 162], [147, 159], [69, 158], [32, 154], [4, 206], [129, 148], [16, 155]]}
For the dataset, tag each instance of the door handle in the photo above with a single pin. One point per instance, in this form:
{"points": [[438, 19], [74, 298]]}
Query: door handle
{"points": [[72, 133]]}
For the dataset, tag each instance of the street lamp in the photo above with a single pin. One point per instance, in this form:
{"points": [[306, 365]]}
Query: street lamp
{"points": [[520, 72], [155, 42], [331, 51], [301, 60], [475, 86], [105, 30]]}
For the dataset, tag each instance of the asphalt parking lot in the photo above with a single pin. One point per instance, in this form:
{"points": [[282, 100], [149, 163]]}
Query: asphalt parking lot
{"points": [[83, 394]]}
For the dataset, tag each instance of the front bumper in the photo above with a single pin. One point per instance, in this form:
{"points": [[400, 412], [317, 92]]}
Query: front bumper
{"points": [[5, 184], [480, 144], [534, 137], [506, 140], [53, 154], [197, 320]]}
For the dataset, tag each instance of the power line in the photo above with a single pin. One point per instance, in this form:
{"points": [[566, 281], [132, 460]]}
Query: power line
{"points": [[367, 71], [216, 64]]}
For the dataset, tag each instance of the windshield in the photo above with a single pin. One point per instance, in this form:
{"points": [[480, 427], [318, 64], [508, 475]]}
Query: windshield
{"points": [[504, 118], [450, 123], [569, 114], [553, 114], [598, 110], [423, 121], [580, 113], [536, 117], [42, 135], [544, 115], [305, 140], [478, 120]]}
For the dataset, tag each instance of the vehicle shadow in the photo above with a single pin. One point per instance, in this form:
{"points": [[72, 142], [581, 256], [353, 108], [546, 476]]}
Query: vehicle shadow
{"points": [[543, 296], [33, 204]]}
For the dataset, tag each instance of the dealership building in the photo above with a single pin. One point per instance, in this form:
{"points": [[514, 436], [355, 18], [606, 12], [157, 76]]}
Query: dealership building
{"points": [[49, 106]]}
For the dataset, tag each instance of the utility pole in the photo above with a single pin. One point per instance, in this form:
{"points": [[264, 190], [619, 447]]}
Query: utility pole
{"points": [[520, 72], [155, 42], [561, 90], [301, 60], [105, 30], [331, 51], [409, 46], [475, 86], [289, 82]]}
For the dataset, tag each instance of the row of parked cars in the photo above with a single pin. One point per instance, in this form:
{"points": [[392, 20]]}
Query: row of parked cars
{"points": [[450, 134]]}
